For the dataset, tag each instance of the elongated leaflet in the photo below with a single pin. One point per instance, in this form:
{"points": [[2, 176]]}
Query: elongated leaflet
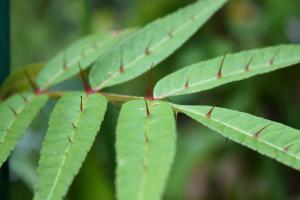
{"points": [[151, 44], [145, 146], [209, 74], [269, 138], [73, 125], [16, 114]]}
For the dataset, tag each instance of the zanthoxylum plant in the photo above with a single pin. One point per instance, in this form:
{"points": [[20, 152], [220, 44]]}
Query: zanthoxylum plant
{"points": [[146, 131]]}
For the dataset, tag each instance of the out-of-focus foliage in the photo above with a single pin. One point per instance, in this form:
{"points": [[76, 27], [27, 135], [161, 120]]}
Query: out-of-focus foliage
{"points": [[17, 81], [40, 28]]}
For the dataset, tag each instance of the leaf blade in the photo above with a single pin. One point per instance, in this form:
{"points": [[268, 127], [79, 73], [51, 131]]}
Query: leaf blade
{"points": [[16, 114], [269, 138], [145, 149], [86, 50], [205, 75], [150, 45], [70, 135]]}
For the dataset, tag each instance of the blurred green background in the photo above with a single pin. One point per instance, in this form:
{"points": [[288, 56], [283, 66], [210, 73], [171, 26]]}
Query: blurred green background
{"points": [[206, 166]]}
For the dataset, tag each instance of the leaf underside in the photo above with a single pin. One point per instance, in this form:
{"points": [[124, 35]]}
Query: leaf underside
{"points": [[137, 53], [16, 114], [233, 67], [145, 147], [70, 136], [86, 50], [269, 138]]}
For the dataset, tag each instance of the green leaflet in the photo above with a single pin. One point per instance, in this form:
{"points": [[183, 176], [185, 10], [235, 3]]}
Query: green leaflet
{"points": [[204, 75], [70, 136], [269, 138], [86, 51], [153, 43], [145, 149], [16, 114], [17, 80]]}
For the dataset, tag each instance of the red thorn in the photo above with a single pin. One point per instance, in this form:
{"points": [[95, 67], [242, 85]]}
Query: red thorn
{"points": [[69, 139], [122, 67], [32, 83], [65, 64], [23, 97], [249, 63], [285, 149], [147, 108], [147, 50], [171, 33], [187, 85], [147, 139], [81, 104], [149, 94], [209, 113], [274, 56], [257, 134], [221, 67], [74, 126], [86, 85], [13, 110]]}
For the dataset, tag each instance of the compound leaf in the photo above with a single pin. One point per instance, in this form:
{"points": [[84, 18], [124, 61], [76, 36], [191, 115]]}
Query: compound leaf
{"points": [[147, 47], [86, 50], [145, 146], [232, 67], [73, 126], [16, 114], [269, 138]]}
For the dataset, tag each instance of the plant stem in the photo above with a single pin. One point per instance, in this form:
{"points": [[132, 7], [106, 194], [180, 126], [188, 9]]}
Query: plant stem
{"points": [[120, 98], [110, 96]]}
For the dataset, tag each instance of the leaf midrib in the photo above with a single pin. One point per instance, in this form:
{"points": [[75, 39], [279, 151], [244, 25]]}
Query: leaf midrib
{"points": [[153, 47], [145, 160]]}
